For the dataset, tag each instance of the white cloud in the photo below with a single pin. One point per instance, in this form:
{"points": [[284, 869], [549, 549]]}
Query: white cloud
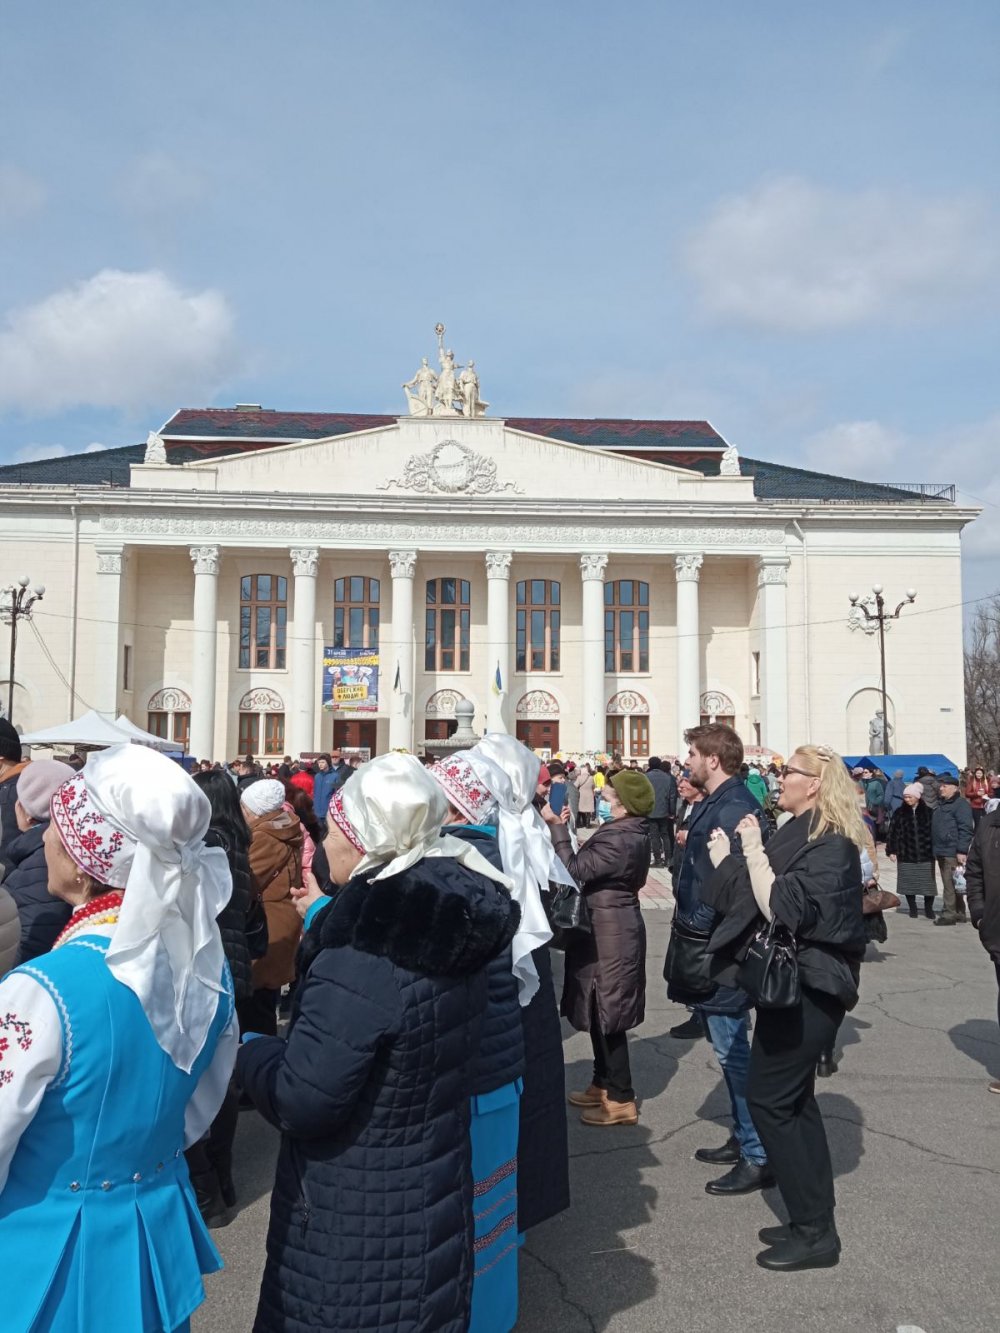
{"points": [[95, 448], [119, 340], [21, 195], [793, 256], [864, 449], [884, 50], [32, 453]]}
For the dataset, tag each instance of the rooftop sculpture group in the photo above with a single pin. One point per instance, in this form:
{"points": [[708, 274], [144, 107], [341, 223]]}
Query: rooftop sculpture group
{"points": [[445, 393]]}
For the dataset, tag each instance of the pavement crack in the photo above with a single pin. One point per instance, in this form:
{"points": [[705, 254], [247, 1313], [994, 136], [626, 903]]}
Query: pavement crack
{"points": [[640, 1143], [944, 1158], [563, 1288]]}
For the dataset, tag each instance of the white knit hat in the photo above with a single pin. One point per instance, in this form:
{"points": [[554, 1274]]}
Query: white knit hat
{"points": [[262, 797]]}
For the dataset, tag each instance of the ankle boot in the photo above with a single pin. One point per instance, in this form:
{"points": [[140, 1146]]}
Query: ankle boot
{"points": [[593, 1096], [808, 1245], [929, 908], [611, 1113], [911, 902]]}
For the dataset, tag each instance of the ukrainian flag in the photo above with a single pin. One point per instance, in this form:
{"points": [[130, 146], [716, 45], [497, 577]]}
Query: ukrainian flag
{"points": [[497, 682]]}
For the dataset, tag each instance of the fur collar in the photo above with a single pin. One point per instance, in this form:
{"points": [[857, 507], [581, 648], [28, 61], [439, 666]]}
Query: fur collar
{"points": [[437, 918]]}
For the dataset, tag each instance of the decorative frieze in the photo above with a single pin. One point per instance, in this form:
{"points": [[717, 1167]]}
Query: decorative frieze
{"points": [[443, 703], [169, 700], [262, 700], [537, 705], [626, 702], [451, 468]]}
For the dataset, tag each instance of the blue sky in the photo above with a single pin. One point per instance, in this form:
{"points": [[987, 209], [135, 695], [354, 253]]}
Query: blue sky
{"points": [[781, 217]]}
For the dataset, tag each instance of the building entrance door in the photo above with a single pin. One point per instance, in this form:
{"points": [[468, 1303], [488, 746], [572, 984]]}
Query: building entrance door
{"points": [[353, 734], [539, 735]]}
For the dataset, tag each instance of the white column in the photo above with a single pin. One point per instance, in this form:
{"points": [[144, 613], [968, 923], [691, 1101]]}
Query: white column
{"points": [[302, 658], [497, 634], [402, 565], [772, 580], [593, 702], [203, 653], [687, 569], [110, 568]]}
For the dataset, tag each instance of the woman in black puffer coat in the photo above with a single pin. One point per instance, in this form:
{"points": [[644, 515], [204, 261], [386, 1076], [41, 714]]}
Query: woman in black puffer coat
{"points": [[42, 916], [243, 928], [371, 1216], [910, 845]]}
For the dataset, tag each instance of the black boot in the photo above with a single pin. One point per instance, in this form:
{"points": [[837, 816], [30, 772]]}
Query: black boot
{"points": [[743, 1179], [911, 899], [808, 1245], [210, 1202], [929, 908], [772, 1235], [727, 1155], [826, 1065], [690, 1030]]}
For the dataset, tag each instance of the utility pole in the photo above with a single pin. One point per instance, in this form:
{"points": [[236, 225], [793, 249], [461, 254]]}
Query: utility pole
{"points": [[16, 605]]}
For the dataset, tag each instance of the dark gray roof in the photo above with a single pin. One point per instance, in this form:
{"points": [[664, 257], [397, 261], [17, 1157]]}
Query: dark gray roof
{"points": [[772, 481]]}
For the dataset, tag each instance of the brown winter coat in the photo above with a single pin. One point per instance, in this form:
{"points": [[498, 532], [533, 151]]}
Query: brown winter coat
{"points": [[607, 969], [276, 868]]}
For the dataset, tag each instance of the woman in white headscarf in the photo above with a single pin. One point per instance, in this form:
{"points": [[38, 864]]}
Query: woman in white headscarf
{"points": [[116, 1052], [510, 771], [372, 1209]]}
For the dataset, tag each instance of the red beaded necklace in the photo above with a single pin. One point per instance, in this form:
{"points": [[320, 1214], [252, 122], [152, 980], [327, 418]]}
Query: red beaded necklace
{"points": [[100, 911]]}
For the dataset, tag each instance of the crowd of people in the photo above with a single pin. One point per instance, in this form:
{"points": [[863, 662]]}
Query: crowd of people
{"points": [[362, 952]]}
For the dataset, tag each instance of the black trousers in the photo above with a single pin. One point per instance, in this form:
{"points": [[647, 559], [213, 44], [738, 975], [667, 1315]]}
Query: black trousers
{"points": [[260, 1012], [611, 1064], [781, 1097], [661, 838]]}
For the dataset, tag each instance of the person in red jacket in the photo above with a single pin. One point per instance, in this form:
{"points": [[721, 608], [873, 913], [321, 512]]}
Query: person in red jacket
{"points": [[977, 793]]}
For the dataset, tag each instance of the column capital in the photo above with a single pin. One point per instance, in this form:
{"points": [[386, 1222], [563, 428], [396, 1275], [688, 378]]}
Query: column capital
{"points": [[687, 568], [498, 564], [110, 559], [305, 561], [403, 564], [772, 570], [205, 559], [593, 565]]}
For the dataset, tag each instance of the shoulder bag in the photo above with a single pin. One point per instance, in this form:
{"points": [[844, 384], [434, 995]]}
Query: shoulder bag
{"points": [[568, 914], [686, 969], [770, 971]]}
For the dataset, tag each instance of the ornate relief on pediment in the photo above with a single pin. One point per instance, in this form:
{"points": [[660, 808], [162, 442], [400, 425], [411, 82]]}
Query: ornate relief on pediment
{"points": [[451, 468]]}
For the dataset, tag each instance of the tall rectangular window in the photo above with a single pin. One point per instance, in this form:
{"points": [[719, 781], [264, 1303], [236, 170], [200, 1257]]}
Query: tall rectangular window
{"points": [[356, 612], [447, 625], [638, 726], [538, 625], [263, 622], [626, 626], [158, 724], [249, 733], [615, 735]]}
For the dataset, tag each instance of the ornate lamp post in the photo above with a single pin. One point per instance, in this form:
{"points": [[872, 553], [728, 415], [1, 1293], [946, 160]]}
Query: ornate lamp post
{"points": [[16, 605], [879, 616]]}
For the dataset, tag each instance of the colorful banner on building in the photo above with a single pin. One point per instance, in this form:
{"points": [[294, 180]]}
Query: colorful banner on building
{"points": [[350, 680]]}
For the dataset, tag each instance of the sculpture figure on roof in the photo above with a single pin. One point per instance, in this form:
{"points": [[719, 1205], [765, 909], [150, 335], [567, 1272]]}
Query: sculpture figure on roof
{"points": [[468, 384], [156, 449], [730, 465], [447, 386], [421, 403]]}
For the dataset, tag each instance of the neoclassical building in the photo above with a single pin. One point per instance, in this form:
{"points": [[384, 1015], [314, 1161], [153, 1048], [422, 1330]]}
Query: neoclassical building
{"points": [[588, 585]]}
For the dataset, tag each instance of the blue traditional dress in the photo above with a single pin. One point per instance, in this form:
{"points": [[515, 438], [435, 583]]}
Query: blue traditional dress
{"points": [[99, 1228]]}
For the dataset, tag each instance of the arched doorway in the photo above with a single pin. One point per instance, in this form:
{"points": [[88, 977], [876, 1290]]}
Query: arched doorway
{"points": [[627, 725], [262, 723], [536, 721]]}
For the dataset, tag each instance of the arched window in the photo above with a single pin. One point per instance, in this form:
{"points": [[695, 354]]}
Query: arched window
{"points": [[446, 634], [355, 612], [263, 621], [626, 626], [717, 707], [262, 723], [169, 716], [538, 624]]}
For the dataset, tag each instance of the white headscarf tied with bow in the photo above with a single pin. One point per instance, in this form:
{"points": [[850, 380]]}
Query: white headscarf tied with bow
{"points": [[166, 947], [523, 853], [396, 809]]}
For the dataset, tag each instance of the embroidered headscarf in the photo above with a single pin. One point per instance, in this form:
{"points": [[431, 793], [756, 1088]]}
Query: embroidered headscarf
{"points": [[392, 811], [135, 820], [463, 787], [522, 859]]}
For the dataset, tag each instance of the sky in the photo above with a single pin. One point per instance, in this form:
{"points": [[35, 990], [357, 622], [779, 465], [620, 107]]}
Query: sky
{"points": [[783, 218]]}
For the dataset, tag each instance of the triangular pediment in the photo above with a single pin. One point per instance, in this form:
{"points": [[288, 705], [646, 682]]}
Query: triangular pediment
{"points": [[454, 457]]}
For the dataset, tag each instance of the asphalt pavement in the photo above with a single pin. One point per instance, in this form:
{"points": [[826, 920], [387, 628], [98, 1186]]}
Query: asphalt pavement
{"points": [[916, 1150]]}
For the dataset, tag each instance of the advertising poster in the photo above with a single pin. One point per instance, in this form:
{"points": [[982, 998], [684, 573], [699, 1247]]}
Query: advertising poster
{"points": [[350, 680]]}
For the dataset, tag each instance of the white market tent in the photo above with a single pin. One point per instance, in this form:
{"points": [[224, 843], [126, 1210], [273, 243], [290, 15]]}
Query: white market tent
{"points": [[141, 737], [89, 730]]}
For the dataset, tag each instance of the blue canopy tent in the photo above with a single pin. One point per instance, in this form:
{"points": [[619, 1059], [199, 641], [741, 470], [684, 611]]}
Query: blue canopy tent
{"points": [[909, 763]]}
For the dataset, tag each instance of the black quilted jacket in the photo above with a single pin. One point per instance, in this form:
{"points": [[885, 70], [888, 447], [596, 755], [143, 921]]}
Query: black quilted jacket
{"points": [[27, 882], [371, 1217], [232, 919]]}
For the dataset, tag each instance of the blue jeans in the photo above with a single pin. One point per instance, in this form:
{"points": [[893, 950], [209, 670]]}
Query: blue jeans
{"points": [[728, 1035]]}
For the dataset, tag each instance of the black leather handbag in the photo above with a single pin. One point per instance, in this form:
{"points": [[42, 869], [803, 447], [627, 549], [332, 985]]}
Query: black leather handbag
{"points": [[770, 971], [686, 968], [568, 913]]}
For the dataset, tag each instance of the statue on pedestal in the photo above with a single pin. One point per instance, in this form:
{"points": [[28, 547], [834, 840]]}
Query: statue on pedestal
{"points": [[446, 393], [878, 730], [421, 403]]}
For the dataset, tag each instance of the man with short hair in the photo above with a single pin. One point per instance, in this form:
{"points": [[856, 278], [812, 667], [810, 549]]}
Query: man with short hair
{"points": [[715, 755], [661, 821], [951, 834]]}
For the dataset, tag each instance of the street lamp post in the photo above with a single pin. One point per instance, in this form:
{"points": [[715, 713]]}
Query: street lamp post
{"points": [[879, 617], [16, 605]]}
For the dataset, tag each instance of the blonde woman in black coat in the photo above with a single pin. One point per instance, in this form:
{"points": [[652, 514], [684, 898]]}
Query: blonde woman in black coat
{"points": [[808, 879]]}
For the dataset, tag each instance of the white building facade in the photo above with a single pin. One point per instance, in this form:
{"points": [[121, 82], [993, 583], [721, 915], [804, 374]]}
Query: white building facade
{"points": [[587, 597]]}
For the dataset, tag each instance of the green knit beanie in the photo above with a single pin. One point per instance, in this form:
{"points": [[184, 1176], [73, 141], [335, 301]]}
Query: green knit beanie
{"points": [[635, 791]]}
